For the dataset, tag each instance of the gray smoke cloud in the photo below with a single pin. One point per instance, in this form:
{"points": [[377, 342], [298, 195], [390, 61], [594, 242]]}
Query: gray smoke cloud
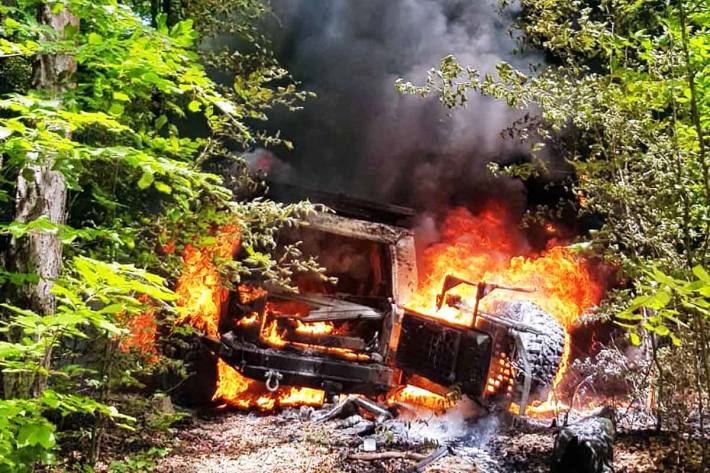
{"points": [[360, 136]]}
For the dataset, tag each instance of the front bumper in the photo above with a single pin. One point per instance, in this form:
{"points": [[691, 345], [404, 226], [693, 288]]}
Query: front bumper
{"points": [[298, 368]]}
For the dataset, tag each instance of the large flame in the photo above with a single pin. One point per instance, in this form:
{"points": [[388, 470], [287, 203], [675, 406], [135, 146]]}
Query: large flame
{"points": [[485, 248], [201, 295], [199, 288]]}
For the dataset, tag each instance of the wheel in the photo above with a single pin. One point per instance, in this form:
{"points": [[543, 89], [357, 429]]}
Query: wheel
{"points": [[544, 351]]}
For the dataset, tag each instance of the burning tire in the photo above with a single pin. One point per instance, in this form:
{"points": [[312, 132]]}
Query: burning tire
{"points": [[544, 351]]}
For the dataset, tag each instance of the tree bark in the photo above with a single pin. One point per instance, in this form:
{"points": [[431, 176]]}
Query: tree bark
{"points": [[41, 191]]}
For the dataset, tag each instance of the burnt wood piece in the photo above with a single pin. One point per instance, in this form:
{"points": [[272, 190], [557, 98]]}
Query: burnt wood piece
{"points": [[586, 446], [332, 341]]}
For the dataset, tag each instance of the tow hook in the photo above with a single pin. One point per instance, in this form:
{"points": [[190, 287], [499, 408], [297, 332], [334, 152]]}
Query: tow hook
{"points": [[272, 380]]}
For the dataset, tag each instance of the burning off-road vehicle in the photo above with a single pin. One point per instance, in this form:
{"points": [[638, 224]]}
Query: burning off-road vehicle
{"points": [[357, 335]]}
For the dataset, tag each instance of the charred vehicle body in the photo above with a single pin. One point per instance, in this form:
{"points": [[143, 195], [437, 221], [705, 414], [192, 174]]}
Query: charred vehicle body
{"points": [[357, 336]]}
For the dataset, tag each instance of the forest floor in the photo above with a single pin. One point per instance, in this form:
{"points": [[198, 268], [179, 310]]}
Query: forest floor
{"points": [[290, 441]]}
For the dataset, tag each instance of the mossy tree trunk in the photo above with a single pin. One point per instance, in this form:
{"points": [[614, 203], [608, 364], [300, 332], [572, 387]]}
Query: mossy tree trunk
{"points": [[41, 192]]}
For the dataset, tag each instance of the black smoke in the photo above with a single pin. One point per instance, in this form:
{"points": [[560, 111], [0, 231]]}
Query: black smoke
{"points": [[360, 136]]}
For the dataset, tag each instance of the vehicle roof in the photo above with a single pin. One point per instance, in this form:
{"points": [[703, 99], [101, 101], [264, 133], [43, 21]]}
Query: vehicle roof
{"points": [[342, 204]]}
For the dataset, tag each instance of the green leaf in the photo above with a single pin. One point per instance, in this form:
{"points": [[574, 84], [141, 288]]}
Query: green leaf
{"points": [[662, 331], [94, 38], [161, 121], [701, 273], [628, 316], [57, 8], [145, 180], [116, 109], [36, 434], [675, 340], [162, 187], [50, 399], [11, 25], [121, 97], [194, 106], [635, 339]]}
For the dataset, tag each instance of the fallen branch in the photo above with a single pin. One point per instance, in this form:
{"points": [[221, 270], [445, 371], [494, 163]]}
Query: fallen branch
{"points": [[368, 457]]}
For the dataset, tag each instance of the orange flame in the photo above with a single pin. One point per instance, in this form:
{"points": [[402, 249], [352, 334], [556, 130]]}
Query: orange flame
{"points": [[315, 328], [143, 330], [238, 391], [199, 288], [485, 248], [248, 293], [273, 336], [201, 295], [420, 397], [272, 333], [250, 320]]}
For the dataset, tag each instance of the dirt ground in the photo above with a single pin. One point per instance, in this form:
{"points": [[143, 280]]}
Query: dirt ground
{"points": [[289, 442], [243, 443]]}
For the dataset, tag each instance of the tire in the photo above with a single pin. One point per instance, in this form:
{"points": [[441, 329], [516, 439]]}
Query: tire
{"points": [[544, 351]]}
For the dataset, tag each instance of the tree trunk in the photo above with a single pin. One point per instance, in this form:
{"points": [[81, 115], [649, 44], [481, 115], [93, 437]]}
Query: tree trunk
{"points": [[41, 191]]}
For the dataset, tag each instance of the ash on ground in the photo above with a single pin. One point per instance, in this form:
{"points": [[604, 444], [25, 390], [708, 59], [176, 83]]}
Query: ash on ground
{"points": [[295, 441]]}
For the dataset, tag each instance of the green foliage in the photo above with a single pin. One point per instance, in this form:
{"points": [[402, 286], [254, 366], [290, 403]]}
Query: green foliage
{"points": [[137, 177], [138, 463], [94, 300], [142, 137], [664, 300], [626, 101], [26, 437]]}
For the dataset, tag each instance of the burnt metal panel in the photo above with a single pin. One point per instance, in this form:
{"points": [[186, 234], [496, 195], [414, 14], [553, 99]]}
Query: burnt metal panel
{"points": [[428, 349], [444, 354], [302, 369], [400, 243]]}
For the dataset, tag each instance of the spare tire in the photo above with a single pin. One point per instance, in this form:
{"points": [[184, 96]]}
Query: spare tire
{"points": [[544, 351]]}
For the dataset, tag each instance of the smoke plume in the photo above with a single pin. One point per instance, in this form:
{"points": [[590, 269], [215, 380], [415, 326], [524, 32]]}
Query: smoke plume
{"points": [[360, 136]]}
